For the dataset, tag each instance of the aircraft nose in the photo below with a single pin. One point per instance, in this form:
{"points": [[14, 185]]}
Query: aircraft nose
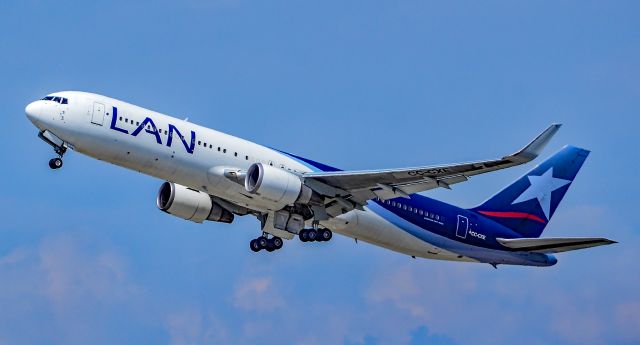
{"points": [[33, 111]]}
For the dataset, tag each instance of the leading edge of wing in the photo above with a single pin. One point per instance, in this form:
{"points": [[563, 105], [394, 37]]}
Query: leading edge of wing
{"points": [[524, 155]]}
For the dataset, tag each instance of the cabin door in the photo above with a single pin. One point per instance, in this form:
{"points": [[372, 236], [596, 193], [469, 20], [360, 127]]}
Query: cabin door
{"points": [[463, 227], [98, 114]]}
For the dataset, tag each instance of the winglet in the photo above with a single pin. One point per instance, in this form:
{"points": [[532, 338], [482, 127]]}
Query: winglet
{"points": [[534, 148]]}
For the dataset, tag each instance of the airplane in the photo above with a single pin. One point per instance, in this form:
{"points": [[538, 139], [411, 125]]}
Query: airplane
{"points": [[212, 176]]}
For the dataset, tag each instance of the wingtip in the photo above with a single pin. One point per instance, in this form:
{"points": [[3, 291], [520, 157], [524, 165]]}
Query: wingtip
{"points": [[535, 147]]}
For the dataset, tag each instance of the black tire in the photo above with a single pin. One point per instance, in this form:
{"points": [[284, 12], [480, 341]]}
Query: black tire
{"points": [[254, 246], [312, 235], [270, 246], [55, 163], [325, 235], [277, 242], [304, 235], [262, 242]]}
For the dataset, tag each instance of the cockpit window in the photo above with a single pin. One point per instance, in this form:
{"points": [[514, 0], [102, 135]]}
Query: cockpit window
{"points": [[56, 99]]}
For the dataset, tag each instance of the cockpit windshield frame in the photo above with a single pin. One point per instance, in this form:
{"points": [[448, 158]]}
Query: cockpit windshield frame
{"points": [[57, 99]]}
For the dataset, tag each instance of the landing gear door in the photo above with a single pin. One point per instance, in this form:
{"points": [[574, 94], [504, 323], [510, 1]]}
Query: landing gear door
{"points": [[463, 227], [98, 114]]}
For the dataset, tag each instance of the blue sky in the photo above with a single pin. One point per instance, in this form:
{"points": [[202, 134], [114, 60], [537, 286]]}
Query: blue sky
{"points": [[86, 258]]}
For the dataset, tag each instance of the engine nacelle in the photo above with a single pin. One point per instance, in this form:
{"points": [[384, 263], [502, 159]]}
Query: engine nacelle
{"points": [[277, 186], [190, 204]]}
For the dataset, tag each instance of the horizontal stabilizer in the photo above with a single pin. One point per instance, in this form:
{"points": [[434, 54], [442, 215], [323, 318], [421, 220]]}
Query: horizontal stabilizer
{"points": [[552, 245]]}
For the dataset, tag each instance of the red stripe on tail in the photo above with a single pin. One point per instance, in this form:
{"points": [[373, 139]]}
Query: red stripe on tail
{"points": [[513, 215]]}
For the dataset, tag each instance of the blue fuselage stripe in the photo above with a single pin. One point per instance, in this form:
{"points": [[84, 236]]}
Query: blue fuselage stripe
{"points": [[436, 223]]}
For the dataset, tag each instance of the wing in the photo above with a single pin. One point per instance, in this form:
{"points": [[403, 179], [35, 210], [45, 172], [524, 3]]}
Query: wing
{"points": [[352, 189], [552, 245]]}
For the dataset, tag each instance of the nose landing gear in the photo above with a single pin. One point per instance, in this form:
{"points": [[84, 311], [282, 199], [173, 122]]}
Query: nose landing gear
{"points": [[59, 146]]}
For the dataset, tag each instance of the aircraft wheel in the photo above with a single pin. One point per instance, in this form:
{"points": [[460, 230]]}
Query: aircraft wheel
{"points": [[304, 235], [270, 246], [55, 163], [277, 242], [325, 235], [254, 246], [262, 242], [312, 235]]}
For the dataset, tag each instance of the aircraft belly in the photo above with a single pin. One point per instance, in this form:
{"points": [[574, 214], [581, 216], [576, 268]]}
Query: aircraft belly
{"points": [[372, 228]]}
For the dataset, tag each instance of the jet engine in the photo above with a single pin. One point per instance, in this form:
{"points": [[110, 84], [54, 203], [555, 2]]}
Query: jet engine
{"points": [[190, 204], [277, 186]]}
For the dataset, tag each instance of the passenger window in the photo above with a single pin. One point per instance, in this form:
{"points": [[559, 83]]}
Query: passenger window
{"points": [[235, 154], [199, 143], [410, 209], [120, 118], [393, 203], [138, 123], [421, 212], [404, 207], [246, 158], [224, 150], [415, 210]]}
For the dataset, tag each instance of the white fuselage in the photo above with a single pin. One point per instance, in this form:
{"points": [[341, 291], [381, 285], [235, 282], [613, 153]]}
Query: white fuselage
{"points": [[89, 124]]}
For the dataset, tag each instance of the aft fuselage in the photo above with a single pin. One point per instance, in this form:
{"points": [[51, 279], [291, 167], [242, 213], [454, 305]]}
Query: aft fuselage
{"points": [[198, 157]]}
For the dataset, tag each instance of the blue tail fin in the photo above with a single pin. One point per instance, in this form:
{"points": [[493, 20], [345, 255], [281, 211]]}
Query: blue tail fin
{"points": [[527, 204]]}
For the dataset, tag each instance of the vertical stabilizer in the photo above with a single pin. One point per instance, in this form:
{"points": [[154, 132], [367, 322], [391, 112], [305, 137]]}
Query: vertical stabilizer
{"points": [[527, 205]]}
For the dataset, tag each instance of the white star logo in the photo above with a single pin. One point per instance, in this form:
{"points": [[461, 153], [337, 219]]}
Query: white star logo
{"points": [[541, 188]]}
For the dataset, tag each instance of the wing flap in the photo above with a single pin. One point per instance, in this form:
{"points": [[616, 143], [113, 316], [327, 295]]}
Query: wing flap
{"points": [[552, 245]]}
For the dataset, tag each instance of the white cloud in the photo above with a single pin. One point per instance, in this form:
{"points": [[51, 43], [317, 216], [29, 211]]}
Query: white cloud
{"points": [[74, 275], [190, 326], [258, 294], [627, 318], [14, 257]]}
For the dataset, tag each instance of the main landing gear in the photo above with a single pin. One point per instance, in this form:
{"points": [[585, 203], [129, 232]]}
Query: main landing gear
{"points": [[311, 235], [269, 244]]}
